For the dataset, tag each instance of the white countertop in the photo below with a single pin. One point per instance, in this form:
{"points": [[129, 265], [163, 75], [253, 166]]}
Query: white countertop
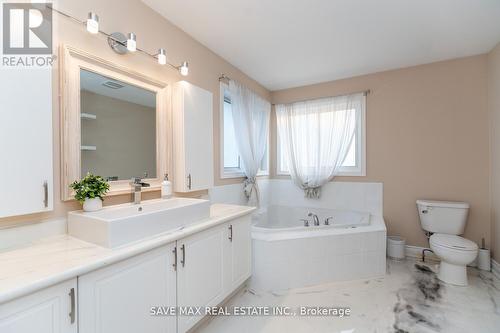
{"points": [[55, 259]]}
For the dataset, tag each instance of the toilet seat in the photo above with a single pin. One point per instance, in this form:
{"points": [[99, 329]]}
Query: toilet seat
{"points": [[453, 242]]}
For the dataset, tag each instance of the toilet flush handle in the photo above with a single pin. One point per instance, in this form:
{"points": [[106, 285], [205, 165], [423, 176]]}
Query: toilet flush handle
{"points": [[426, 210]]}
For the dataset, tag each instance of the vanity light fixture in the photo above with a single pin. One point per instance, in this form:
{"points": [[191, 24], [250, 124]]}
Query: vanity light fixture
{"points": [[93, 23], [122, 44], [184, 69], [118, 42], [162, 57], [132, 42]]}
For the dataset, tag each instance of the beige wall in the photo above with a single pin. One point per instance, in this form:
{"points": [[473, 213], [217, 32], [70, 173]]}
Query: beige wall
{"points": [[427, 138], [124, 134], [494, 107], [153, 32]]}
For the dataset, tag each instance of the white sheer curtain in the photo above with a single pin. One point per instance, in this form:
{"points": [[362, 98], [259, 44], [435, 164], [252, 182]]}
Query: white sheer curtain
{"points": [[317, 135], [251, 114]]}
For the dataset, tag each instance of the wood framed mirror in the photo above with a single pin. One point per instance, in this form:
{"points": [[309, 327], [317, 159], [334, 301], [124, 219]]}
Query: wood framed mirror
{"points": [[115, 123]]}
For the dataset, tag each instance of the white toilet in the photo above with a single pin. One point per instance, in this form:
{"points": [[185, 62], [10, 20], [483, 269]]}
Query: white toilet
{"points": [[443, 221]]}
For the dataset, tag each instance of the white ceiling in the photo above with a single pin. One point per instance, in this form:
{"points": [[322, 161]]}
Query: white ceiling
{"points": [[287, 43]]}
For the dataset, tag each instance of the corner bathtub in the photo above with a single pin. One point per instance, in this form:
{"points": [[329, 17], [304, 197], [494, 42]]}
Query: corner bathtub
{"points": [[286, 254]]}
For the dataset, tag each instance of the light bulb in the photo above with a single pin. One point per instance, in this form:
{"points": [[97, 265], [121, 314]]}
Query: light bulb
{"points": [[93, 23], [162, 57], [184, 69], [132, 42]]}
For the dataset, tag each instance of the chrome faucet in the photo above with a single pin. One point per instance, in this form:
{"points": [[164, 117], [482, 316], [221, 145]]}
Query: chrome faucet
{"points": [[315, 218], [137, 185], [327, 220]]}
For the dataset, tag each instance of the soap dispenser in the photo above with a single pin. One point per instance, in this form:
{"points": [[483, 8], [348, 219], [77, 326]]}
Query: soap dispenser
{"points": [[166, 188]]}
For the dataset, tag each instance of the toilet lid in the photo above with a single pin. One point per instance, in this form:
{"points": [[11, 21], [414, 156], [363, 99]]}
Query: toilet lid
{"points": [[443, 204], [453, 242]]}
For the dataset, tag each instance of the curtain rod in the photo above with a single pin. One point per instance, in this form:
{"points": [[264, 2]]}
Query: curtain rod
{"points": [[224, 77], [364, 92]]}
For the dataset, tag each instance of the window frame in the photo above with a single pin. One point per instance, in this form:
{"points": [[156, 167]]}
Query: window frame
{"points": [[351, 171], [228, 173]]}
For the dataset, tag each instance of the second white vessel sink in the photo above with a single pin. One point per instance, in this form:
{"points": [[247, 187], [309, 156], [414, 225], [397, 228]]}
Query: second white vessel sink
{"points": [[117, 225]]}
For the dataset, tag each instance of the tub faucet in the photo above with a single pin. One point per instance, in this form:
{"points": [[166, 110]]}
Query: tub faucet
{"points": [[137, 185], [315, 218], [327, 220]]}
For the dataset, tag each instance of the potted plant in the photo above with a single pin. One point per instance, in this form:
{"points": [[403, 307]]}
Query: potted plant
{"points": [[90, 191]]}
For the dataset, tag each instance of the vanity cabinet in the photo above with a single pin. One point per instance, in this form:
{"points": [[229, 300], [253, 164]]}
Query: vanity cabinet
{"points": [[26, 141], [200, 272], [51, 310], [118, 298], [238, 253], [212, 264], [192, 137]]}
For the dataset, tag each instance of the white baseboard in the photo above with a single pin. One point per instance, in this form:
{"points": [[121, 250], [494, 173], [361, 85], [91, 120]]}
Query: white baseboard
{"points": [[495, 268], [416, 252]]}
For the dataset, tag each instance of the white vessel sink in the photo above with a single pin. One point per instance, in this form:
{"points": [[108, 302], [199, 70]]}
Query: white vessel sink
{"points": [[117, 225]]}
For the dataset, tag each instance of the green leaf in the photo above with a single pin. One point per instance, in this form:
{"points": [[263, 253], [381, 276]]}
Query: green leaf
{"points": [[90, 186]]}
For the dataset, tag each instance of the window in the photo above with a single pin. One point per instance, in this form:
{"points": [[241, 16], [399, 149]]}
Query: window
{"points": [[230, 159], [354, 163]]}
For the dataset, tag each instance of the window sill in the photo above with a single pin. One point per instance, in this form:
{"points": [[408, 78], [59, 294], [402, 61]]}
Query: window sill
{"points": [[340, 174], [231, 174], [239, 174], [358, 171], [263, 173], [351, 174]]}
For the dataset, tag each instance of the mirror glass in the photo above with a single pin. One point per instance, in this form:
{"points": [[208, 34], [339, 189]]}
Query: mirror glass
{"points": [[118, 128]]}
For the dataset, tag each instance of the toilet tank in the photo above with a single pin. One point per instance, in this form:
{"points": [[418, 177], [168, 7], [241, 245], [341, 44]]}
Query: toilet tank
{"points": [[446, 217]]}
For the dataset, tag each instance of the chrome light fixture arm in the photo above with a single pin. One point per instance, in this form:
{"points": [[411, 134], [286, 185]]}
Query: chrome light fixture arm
{"points": [[118, 42]]}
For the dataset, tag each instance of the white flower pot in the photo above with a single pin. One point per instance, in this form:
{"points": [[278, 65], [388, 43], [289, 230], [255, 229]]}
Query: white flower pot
{"points": [[92, 205]]}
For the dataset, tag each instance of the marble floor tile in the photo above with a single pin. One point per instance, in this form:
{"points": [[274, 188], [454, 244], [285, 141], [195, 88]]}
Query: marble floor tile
{"points": [[409, 298]]}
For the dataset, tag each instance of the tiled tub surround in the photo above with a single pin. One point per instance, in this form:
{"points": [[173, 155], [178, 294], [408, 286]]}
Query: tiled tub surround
{"points": [[289, 258], [306, 256], [42, 263], [355, 196]]}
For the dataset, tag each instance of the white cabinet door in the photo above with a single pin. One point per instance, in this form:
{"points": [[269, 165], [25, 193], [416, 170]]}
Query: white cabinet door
{"points": [[25, 141], [200, 272], [193, 139], [239, 266], [118, 298], [51, 310]]}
